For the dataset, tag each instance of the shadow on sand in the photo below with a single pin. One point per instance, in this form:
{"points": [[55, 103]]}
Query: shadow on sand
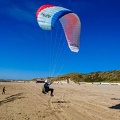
{"points": [[115, 99], [115, 107], [11, 98], [60, 101]]}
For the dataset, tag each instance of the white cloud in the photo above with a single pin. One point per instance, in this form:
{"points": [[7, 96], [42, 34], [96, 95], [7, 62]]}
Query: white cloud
{"points": [[21, 15], [21, 12]]}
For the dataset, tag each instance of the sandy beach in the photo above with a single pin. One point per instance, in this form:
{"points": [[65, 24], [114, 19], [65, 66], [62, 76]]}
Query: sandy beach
{"points": [[24, 101]]}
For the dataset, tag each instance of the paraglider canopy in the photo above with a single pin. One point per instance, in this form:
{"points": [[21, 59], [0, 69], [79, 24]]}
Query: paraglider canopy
{"points": [[48, 15]]}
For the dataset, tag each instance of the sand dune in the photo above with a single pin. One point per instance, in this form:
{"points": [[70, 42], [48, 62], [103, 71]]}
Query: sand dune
{"points": [[24, 101]]}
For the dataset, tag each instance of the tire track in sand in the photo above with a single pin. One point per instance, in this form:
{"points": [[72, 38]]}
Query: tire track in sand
{"points": [[59, 112]]}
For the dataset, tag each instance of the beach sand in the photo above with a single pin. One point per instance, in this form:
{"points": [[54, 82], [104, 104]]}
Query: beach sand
{"points": [[24, 101]]}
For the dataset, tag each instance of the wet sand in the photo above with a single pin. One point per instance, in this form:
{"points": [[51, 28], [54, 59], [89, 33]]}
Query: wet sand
{"points": [[24, 101]]}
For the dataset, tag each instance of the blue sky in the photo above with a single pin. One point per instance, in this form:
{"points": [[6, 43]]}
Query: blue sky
{"points": [[27, 51]]}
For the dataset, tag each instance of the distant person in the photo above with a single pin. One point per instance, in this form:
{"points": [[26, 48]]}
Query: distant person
{"points": [[3, 91], [47, 88]]}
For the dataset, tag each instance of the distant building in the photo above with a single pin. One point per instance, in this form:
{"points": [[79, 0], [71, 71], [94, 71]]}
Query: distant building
{"points": [[39, 80]]}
